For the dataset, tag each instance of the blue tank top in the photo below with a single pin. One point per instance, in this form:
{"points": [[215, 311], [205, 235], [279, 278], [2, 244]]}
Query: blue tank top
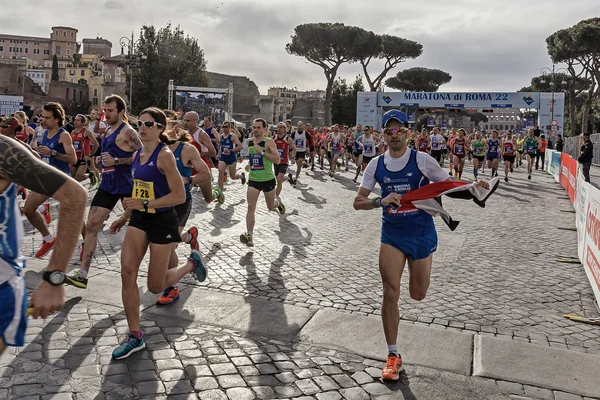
{"points": [[401, 221], [116, 179], [184, 171], [53, 144], [212, 136], [227, 154], [358, 134], [148, 174], [11, 234], [493, 147]]}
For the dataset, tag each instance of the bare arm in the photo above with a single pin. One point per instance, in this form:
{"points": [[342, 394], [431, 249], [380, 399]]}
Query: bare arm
{"points": [[271, 151], [238, 144], [206, 141], [135, 143], [293, 146], [92, 139], [195, 161], [98, 129], [362, 201], [70, 156]]}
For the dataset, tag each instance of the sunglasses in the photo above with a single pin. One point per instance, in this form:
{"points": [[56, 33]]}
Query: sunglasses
{"points": [[391, 131], [149, 124], [225, 126]]}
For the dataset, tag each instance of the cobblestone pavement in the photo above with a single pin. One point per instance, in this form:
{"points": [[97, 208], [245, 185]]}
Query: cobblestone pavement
{"points": [[496, 274], [68, 357]]}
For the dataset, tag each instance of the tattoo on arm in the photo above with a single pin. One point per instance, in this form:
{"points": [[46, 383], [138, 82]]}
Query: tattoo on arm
{"points": [[134, 140], [127, 161], [18, 165]]}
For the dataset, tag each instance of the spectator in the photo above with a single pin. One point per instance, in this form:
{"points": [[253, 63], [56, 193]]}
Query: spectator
{"points": [[560, 144], [586, 156], [541, 151], [537, 132]]}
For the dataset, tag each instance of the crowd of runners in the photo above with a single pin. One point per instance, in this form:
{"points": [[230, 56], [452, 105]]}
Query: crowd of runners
{"points": [[155, 163]]}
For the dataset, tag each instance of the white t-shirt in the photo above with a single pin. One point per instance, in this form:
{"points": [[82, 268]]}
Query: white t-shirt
{"points": [[427, 164], [92, 126], [436, 142], [39, 135]]}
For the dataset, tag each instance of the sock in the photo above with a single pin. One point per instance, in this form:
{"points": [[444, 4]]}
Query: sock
{"points": [[137, 334], [188, 238], [392, 349], [475, 172], [493, 171], [250, 233], [47, 238], [84, 273]]}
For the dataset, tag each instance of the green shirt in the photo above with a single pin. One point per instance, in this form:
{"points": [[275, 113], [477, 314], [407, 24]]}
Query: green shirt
{"points": [[531, 145], [479, 147], [261, 168]]}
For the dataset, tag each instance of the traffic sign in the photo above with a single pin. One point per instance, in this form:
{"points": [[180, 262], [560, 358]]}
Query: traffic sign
{"points": [[554, 122]]}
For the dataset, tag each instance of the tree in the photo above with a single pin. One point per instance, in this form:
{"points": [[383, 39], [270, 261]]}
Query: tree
{"points": [[328, 45], [55, 77], [392, 49], [419, 79], [165, 54], [343, 100]]}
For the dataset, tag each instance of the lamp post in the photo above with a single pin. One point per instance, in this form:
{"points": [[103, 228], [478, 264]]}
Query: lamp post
{"points": [[133, 60], [551, 73]]}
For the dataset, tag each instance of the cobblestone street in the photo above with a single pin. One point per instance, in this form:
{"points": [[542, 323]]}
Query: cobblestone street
{"points": [[495, 275]]}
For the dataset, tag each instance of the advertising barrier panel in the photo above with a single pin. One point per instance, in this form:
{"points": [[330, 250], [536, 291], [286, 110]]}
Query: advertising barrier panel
{"points": [[568, 175], [591, 240], [548, 159], [554, 170]]}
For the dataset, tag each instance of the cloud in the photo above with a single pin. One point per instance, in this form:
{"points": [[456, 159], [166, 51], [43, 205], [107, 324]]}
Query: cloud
{"points": [[484, 45]]}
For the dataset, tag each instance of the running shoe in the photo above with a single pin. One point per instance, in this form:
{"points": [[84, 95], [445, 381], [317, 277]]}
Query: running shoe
{"points": [[91, 185], [200, 271], [290, 179], [218, 195], [169, 295], [346, 169], [46, 213], [248, 168], [505, 179], [450, 173], [529, 177], [281, 208], [81, 252], [45, 248], [354, 180], [331, 174], [129, 346], [243, 178], [246, 239], [312, 168], [75, 278], [193, 238], [393, 367]]}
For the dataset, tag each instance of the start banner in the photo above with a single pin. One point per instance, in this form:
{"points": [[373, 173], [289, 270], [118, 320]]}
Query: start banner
{"points": [[568, 175]]}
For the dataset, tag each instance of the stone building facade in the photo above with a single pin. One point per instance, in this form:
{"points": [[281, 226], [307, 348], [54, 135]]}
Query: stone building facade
{"points": [[245, 94]]}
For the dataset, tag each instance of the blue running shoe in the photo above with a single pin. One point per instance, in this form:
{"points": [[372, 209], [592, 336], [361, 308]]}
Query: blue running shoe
{"points": [[129, 346], [200, 271]]}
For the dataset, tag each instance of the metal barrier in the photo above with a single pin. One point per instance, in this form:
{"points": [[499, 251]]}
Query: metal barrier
{"points": [[572, 147]]}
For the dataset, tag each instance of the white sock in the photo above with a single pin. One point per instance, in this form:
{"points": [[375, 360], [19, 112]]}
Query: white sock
{"points": [[83, 273], [392, 348], [47, 238]]}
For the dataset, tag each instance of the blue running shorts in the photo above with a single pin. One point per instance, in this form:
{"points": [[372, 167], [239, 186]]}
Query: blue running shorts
{"points": [[414, 247], [13, 311]]}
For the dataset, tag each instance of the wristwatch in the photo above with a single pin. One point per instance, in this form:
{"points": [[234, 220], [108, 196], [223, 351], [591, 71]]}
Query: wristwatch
{"points": [[116, 162], [55, 278], [53, 154], [145, 204]]}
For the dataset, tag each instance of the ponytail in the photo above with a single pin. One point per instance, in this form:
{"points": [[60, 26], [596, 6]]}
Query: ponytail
{"points": [[165, 139]]}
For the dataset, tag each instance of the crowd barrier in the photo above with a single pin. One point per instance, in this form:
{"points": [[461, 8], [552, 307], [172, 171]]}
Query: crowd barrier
{"points": [[585, 198]]}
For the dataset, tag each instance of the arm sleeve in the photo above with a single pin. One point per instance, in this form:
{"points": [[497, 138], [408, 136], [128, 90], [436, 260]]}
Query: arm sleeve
{"points": [[430, 168], [368, 181]]}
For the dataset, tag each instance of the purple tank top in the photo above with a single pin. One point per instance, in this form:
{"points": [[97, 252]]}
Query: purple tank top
{"points": [[150, 173], [116, 179]]}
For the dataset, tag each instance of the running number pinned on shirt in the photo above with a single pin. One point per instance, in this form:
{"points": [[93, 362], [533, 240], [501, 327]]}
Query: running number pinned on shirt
{"points": [[143, 190]]}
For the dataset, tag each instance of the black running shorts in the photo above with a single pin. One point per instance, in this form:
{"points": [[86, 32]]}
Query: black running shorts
{"points": [[103, 199], [266, 186], [280, 168], [160, 227], [183, 212]]}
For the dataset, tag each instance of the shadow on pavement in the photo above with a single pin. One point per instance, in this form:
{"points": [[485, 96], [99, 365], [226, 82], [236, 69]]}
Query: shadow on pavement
{"points": [[222, 218], [290, 234], [401, 386], [311, 199]]}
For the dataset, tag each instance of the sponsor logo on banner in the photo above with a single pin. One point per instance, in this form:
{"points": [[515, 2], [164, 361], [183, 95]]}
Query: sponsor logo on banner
{"points": [[568, 168], [581, 208], [528, 99], [592, 241], [555, 165], [387, 98]]}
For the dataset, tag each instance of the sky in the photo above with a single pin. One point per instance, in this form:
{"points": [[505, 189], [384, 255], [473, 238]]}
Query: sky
{"points": [[485, 45]]}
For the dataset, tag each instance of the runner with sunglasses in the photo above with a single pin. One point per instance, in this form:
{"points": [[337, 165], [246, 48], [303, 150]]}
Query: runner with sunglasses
{"points": [[459, 152], [230, 145], [117, 151]]}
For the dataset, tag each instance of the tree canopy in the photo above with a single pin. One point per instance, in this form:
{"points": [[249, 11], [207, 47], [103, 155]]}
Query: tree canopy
{"points": [[343, 100], [165, 54], [419, 79]]}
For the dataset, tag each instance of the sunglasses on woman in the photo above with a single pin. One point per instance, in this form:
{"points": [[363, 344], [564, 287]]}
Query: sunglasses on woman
{"points": [[149, 124]]}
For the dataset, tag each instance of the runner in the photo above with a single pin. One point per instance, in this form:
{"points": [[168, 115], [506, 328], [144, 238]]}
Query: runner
{"points": [[369, 151], [85, 144], [520, 154], [57, 150], [313, 138], [531, 146], [508, 154], [406, 236], [157, 188], [323, 145], [335, 142], [118, 146], [27, 170], [459, 147], [423, 141], [263, 154], [349, 149], [301, 143], [284, 143], [451, 137], [438, 144], [230, 144], [479, 147], [214, 138], [26, 134], [97, 126], [493, 151]]}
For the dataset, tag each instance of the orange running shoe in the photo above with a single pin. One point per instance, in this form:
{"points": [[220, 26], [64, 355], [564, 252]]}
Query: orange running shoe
{"points": [[169, 295], [45, 248], [393, 367], [193, 237]]}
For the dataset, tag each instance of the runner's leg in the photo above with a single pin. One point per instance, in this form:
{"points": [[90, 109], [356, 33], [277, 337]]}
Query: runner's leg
{"points": [[252, 198]]}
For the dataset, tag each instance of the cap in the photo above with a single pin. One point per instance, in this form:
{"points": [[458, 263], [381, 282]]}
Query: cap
{"points": [[281, 123], [394, 114]]}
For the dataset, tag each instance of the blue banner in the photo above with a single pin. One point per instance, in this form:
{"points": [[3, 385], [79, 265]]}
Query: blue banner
{"points": [[411, 117], [430, 122]]}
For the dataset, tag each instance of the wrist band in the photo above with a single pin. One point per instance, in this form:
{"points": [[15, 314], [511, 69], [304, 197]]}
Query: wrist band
{"points": [[376, 202], [125, 218]]}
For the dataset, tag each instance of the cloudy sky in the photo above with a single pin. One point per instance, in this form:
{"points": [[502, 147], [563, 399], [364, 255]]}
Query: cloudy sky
{"points": [[484, 45]]}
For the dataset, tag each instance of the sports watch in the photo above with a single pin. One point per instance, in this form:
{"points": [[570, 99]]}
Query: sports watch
{"points": [[54, 153], [116, 162], [145, 204], [55, 278]]}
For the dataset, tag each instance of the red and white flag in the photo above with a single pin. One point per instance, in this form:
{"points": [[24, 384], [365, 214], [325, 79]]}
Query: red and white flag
{"points": [[429, 197]]}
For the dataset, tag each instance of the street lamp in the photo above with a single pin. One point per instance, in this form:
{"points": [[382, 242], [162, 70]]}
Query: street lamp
{"points": [[551, 74], [133, 60]]}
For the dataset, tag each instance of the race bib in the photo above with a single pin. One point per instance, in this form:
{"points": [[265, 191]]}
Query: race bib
{"points": [[368, 148], [106, 170], [77, 145], [46, 159], [226, 152], [256, 162], [460, 149], [300, 143], [281, 153], [143, 190]]}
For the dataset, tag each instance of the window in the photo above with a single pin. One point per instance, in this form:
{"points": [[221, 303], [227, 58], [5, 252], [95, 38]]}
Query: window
{"points": [[83, 72], [10, 49], [68, 52], [72, 80], [64, 33], [36, 51], [1, 48], [95, 92], [26, 50], [72, 34], [26, 42], [68, 44], [57, 50], [95, 101], [46, 52], [36, 43], [281, 94]]}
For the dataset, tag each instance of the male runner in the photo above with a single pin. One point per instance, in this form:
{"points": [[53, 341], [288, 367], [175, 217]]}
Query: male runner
{"points": [[313, 141], [334, 141], [531, 146], [478, 146], [520, 144], [98, 127], [459, 150], [369, 151], [493, 152], [214, 138], [284, 143], [230, 145], [437, 144], [117, 149], [423, 141], [57, 150], [263, 154], [301, 143], [21, 167], [508, 154], [85, 144]]}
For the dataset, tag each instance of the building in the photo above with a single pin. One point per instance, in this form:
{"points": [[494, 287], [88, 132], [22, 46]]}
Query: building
{"points": [[503, 119], [38, 75], [16, 46], [98, 46], [245, 94], [86, 69], [63, 42], [310, 110], [287, 97], [114, 78]]}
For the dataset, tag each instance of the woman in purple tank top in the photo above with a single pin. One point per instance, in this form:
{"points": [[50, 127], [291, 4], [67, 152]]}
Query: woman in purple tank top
{"points": [[157, 188]]}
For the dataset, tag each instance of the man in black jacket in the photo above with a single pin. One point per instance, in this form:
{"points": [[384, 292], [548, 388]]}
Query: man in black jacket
{"points": [[559, 144], [586, 156]]}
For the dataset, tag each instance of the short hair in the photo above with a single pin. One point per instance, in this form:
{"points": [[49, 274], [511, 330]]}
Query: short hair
{"points": [[193, 114], [209, 118], [57, 111], [118, 100], [22, 115], [262, 121], [83, 118]]}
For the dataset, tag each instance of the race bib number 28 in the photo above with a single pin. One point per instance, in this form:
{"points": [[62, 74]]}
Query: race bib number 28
{"points": [[143, 190]]}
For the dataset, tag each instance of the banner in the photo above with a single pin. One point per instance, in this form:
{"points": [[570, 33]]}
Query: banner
{"points": [[548, 159], [430, 122], [204, 103], [10, 104], [554, 169], [411, 117], [367, 111], [568, 175], [459, 100], [591, 240], [529, 122], [581, 202]]}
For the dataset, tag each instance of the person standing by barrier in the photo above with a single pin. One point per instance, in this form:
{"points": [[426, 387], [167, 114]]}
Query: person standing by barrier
{"points": [[541, 152], [559, 144], [586, 156]]}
